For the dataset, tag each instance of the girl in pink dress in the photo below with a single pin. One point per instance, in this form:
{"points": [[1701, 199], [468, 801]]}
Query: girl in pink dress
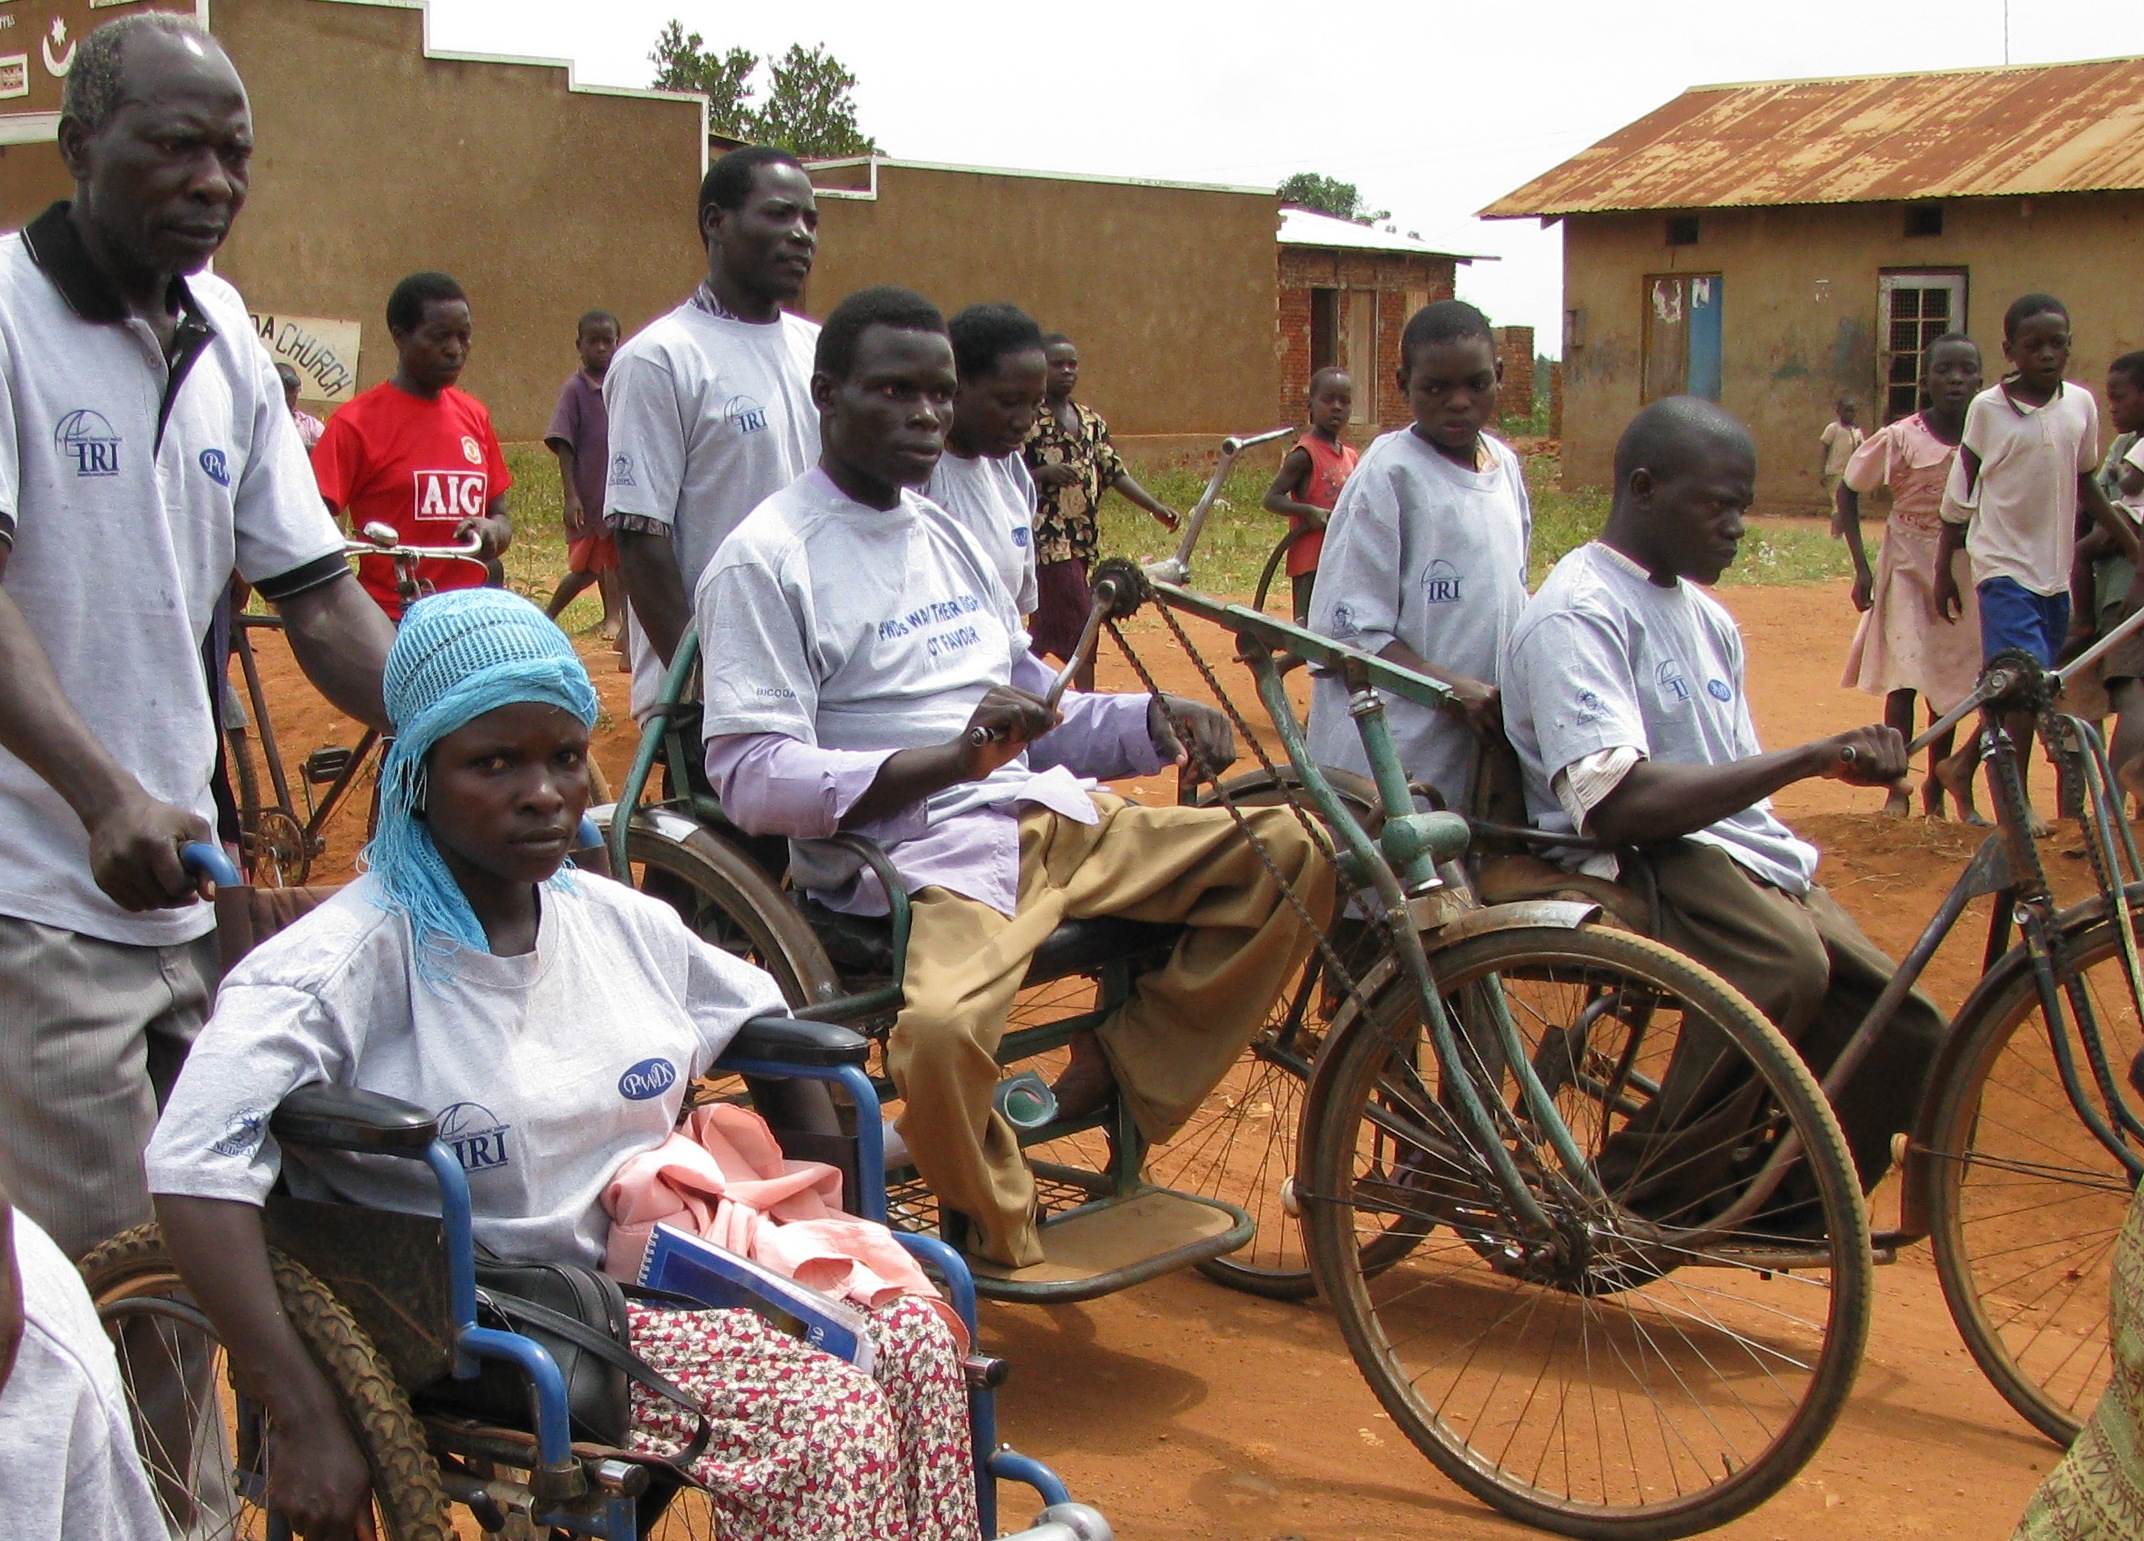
{"points": [[1905, 646]]}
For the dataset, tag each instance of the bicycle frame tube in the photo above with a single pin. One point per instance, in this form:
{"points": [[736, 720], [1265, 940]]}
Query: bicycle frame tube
{"points": [[242, 645], [651, 746], [1489, 1143], [1175, 569]]}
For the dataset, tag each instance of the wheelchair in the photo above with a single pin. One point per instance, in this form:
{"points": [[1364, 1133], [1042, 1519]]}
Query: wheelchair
{"points": [[1115, 1213], [388, 1304]]}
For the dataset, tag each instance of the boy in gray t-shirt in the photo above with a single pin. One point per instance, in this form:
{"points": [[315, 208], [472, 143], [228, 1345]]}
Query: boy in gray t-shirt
{"points": [[1424, 561], [1624, 696]]}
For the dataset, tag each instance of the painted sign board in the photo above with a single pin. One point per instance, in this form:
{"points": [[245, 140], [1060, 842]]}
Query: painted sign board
{"points": [[322, 351], [38, 41]]}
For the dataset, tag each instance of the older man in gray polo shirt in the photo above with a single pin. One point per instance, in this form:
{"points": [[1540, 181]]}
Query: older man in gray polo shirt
{"points": [[144, 455]]}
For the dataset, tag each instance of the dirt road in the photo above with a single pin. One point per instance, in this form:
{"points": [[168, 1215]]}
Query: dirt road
{"points": [[1188, 1411]]}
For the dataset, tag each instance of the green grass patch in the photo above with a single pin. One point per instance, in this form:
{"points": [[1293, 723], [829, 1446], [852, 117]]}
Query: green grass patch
{"points": [[1239, 538]]}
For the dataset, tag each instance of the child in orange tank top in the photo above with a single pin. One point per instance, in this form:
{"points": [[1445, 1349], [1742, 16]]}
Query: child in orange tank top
{"points": [[1310, 480]]}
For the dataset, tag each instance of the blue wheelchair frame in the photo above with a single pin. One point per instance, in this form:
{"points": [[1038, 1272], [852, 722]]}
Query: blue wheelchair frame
{"points": [[337, 1118]]}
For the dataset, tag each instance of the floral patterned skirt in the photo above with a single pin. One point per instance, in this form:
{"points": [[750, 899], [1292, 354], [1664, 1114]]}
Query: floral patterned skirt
{"points": [[806, 1446]]}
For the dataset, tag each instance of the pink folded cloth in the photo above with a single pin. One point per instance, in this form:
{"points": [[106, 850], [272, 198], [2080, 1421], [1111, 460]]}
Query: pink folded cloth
{"points": [[722, 1177]]}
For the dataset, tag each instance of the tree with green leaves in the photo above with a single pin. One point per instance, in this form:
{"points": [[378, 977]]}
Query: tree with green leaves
{"points": [[809, 109], [1329, 195], [725, 79]]}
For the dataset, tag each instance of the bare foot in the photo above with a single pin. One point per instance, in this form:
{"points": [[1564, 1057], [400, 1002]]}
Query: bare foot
{"points": [[1899, 803], [611, 631], [1087, 1083], [2129, 776], [1956, 776], [1932, 806]]}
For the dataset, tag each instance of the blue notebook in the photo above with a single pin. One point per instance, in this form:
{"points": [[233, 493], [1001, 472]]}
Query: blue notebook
{"points": [[684, 1264]]}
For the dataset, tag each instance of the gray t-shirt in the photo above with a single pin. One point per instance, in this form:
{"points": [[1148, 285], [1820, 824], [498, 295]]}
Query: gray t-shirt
{"points": [[127, 516], [546, 1071], [994, 497], [1433, 555], [1605, 658], [708, 416], [849, 627]]}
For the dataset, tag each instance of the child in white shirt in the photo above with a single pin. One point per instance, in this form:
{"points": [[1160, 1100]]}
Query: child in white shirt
{"points": [[1424, 561], [2025, 465]]}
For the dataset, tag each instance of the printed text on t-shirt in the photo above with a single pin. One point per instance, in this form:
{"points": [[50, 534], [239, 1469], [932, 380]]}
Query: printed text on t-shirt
{"points": [[450, 494]]}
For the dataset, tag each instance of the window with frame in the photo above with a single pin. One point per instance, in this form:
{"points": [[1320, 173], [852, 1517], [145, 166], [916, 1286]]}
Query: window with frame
{"points": [[1913, 309]]}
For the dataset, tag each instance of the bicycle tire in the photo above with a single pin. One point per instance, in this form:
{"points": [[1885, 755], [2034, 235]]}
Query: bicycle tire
{"points": [[132, 1279], [1597, 1325], [2008, 1146], [733, 905]]}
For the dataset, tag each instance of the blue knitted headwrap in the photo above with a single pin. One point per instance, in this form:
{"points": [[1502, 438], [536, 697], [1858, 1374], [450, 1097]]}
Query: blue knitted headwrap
{"points": [[457, 656]]}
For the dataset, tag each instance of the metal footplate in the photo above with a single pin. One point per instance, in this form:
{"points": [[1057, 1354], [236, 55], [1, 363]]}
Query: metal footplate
{"points": [[1112, 1243]]}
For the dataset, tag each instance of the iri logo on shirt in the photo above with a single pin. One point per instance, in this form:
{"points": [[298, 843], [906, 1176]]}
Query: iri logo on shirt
{"points": [[1440, 584], [744, 414], [1667, 679], [86, 438], [476, 1137], [450, 494]]}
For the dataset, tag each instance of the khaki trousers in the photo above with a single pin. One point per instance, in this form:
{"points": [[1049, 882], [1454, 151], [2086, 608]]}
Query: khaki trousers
{"points": [[1169, 1045], [92, 1035], [1805, 964]]}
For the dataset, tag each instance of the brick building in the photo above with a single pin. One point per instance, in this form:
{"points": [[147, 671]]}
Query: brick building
{"points": [[1345, 292], [1515, 351]]}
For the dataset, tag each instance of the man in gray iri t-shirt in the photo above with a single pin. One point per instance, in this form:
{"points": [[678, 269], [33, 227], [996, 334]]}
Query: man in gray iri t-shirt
{"points": [[1624, 695]]}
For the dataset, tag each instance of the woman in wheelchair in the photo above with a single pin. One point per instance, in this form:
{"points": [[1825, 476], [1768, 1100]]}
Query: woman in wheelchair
{"points": [[555, 1021]]}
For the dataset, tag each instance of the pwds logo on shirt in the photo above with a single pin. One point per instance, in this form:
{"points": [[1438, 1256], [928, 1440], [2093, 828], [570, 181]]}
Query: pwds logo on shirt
{"points": [[649, 1078], [1021, 535], [451, 494], [219, 469], [1719, 690], [1440, 584], [621, 470], [744, 414], [86, 438], [476, 1137]]}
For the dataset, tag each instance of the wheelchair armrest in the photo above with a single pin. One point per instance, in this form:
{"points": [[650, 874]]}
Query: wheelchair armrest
{"points": [[344, 1118], [799, 1041]]}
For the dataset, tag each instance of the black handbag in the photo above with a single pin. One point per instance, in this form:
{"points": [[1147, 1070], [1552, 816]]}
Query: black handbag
{"points": [[578, 1315]]}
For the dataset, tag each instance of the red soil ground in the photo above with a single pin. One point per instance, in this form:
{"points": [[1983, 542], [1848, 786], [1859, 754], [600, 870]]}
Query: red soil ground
{"points": [[1185, 1410]]}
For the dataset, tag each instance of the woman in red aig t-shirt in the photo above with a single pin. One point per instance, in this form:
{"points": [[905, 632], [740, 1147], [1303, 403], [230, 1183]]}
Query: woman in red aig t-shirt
{"points": [[415, 453]]}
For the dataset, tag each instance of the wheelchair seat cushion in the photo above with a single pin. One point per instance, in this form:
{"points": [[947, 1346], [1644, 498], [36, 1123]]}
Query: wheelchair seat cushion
{"points": [[863, 944]]}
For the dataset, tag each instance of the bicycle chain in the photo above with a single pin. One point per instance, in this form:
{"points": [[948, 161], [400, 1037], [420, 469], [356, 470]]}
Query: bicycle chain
{"points": [[1320, 841]]}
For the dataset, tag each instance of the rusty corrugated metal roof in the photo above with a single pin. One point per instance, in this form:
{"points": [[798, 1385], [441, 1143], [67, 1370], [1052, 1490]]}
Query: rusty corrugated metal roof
{"points": [[2024, 129]]}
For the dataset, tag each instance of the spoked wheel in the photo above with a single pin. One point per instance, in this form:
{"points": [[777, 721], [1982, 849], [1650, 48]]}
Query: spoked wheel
{"points": [[727, 900], [1658, 1361], [2025, 1201], [1240, 1146], [204, 1449]]}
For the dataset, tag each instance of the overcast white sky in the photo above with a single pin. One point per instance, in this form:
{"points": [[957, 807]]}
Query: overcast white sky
{"points": [[1433, 109]]}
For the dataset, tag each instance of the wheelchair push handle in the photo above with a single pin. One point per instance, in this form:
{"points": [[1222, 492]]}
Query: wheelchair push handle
{"points": [[202, 860]]}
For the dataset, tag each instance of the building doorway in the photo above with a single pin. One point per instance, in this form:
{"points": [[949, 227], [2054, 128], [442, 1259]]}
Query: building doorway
{"points": [[1362, 351], [1913, 309], [1682, 335]]}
